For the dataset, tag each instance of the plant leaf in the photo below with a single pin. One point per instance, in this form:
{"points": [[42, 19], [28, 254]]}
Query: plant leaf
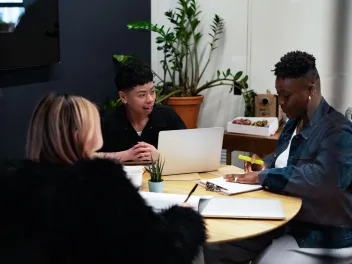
{"points": [[159, 39], [146, 26], [238, 75], [122, 58], [245, 79], [197, 37], [194, 24]]}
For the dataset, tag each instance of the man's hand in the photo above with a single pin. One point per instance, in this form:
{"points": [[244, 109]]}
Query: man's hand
{"points": [[142, 152], [248, 178], [250, 166]]}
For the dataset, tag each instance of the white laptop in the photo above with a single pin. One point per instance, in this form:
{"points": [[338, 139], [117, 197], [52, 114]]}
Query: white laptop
{"points": [[191, 150], [220, 207]]}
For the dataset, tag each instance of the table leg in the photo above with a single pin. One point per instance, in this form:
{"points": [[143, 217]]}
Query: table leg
{"points": [[228, 157]]}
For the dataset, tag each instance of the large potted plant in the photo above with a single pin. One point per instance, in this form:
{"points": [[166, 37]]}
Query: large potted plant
{"points": [[182, 73]]}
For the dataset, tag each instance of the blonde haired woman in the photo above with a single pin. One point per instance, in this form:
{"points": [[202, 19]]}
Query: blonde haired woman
{"points": [[63, 206], [64, 129]]}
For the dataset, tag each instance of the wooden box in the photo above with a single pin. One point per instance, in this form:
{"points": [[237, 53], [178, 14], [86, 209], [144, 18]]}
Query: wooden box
{"points": [[267, 105]]}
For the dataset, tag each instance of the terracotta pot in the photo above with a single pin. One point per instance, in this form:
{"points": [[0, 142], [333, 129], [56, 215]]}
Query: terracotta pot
{"points": [[187, 108]]}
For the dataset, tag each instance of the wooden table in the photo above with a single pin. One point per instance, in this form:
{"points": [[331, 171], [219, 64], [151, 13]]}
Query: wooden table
{"points": [[259, 145], [221, 230]]}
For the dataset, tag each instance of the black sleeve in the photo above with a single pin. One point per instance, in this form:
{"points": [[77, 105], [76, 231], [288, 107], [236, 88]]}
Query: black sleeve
{"points": [[174, 236], [177, 122], [104, 116]]}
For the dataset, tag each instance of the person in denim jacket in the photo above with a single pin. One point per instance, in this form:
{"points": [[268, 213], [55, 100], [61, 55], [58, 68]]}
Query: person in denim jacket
{"points": [[313, 161]]}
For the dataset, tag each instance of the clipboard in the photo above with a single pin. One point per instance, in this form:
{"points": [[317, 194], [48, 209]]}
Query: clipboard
{"points": [[221, 186]]}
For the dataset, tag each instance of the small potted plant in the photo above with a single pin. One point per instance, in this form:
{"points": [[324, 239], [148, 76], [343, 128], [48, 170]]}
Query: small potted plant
{"points": [[156, 182]]}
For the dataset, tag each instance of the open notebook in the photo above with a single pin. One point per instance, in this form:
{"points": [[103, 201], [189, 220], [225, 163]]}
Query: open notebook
{"points": [[220, 207], [220, 185]]}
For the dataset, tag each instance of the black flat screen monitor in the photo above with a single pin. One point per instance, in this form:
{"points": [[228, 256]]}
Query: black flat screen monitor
{"points": [[29, 33]]}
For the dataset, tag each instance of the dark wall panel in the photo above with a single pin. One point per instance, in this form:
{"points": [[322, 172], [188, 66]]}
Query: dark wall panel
{"points": [[91, 31]]}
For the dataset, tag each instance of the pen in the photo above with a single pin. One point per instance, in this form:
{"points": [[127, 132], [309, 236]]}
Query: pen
{"points": [[211, 187], [222, 188], [192, 191], [249, 159]]}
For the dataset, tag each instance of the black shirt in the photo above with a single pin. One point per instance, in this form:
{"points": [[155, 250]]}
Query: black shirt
{"points": [[119, 135]]}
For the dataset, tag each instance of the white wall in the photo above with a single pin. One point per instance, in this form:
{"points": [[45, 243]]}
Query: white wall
{"points": [[343, 57], [279, 26]]}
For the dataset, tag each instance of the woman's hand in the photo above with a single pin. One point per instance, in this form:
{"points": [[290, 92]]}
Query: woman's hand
{"points": [[250, 166], [247, 178]]}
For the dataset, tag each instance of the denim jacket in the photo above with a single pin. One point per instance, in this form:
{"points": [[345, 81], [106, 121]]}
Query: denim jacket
{"points": [[319, 171]]}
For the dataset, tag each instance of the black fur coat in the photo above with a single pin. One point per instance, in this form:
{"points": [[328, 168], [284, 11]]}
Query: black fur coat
{"points": [[89, 212]]}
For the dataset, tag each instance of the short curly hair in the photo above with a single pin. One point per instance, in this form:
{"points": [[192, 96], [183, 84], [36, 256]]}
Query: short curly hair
{"points": [[132, 74], [296, 64]]}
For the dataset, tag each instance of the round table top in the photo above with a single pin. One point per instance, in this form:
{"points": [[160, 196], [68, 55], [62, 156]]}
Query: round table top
{"points": [[222, 230]]}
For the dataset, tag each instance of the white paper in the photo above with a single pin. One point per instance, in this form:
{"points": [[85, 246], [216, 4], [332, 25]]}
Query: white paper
{"points": [[160, 201]]}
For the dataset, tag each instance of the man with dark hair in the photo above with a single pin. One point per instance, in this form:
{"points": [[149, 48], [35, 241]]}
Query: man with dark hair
{"points": [[130, 131], [313, 161]]}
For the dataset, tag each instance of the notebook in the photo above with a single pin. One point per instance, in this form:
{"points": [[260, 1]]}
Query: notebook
{"points": [[221, 186], [220, 207]]}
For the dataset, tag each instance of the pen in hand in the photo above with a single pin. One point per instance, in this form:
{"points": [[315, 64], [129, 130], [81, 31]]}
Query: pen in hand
{"points": [[192, 191]]}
